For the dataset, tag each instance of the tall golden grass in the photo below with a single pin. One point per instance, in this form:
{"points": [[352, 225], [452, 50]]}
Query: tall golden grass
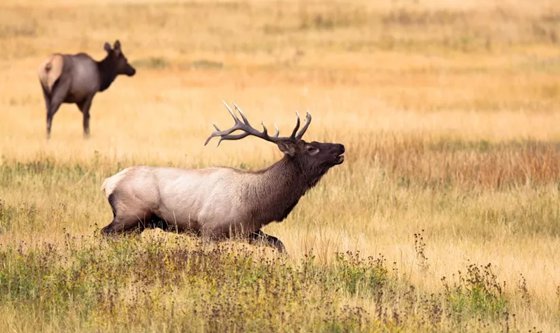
{"points": [[448, 110]]}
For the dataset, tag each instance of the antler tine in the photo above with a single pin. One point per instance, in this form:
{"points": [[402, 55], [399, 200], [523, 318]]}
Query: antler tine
{"points": [[226, 133], [232, 137], [265, 131], [277, 131], [213, 135], [293, 136], [232, 114], [304, 128], [242, 114], [210, 138], [226, 137]]}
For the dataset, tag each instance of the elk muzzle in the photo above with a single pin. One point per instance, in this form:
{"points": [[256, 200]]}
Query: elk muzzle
{"points": [[339, 151]]}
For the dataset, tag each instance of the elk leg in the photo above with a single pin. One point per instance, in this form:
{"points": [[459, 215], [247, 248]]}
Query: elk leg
{"points": [[84, 106], [57, 97], [260, 237], [47, 98], [50, 114], [121, 225], [130, 215]]}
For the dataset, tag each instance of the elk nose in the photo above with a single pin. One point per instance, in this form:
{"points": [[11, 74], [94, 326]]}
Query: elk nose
{"points": [[340, 148]]}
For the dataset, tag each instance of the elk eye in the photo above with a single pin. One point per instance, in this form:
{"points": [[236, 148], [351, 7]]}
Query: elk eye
{"points": [[312, 150]]}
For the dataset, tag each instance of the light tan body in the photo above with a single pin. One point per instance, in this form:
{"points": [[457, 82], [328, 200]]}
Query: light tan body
{"points": [[214, 202]]}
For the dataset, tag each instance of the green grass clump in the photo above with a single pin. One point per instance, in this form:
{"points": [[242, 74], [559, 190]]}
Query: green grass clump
{"points": [[476, 291], [182, 284], [203, 286]]}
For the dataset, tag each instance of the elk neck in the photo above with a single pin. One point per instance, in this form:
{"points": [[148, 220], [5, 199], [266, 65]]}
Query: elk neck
{"points": [[107, 72], [274, 191]]}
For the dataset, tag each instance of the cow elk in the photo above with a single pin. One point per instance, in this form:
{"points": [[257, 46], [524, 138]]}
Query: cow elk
{"points": [[77, 78], [219, 203]]}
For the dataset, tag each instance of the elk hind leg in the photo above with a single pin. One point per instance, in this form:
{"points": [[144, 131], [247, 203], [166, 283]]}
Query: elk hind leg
{"points": [[57, 96], [134, 221], [124, 226]]}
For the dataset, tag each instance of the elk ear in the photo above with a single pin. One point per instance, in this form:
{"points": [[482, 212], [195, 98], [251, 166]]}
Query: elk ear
{"points": [[288, 148], [107, 47], [117, 47]]}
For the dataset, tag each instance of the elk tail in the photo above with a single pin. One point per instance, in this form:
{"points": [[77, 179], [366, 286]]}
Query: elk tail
{"points": [[110, 183], [50, 71]]}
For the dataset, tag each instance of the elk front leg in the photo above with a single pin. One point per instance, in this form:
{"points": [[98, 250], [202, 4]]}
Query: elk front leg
{"points": [[84, 107], [260, 237]]}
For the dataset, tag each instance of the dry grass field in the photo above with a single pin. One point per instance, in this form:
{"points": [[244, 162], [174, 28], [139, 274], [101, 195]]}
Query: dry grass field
{"points": [[444, 217]]}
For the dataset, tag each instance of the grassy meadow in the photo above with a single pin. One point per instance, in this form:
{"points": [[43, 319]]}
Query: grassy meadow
{"points": [[445, 216]]}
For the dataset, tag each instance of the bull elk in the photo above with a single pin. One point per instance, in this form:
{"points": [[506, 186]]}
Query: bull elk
{"points": [[77, 78], [218, 203]]}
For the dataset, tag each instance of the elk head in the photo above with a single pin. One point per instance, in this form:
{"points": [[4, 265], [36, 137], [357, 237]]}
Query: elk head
{"points": [[313, 158], [118, 59]]}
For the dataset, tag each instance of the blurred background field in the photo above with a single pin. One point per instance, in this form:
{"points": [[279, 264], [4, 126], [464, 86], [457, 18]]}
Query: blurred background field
{"points": [[448, 110]]}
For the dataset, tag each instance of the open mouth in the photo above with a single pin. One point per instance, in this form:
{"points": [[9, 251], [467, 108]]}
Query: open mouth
{"points": [[340, 158]]}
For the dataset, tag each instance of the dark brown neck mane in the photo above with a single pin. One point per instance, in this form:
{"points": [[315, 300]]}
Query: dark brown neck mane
{"points": [[276, 190], [107, 72]]}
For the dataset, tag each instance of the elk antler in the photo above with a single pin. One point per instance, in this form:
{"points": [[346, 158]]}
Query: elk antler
{"points": [[243, 125]]}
